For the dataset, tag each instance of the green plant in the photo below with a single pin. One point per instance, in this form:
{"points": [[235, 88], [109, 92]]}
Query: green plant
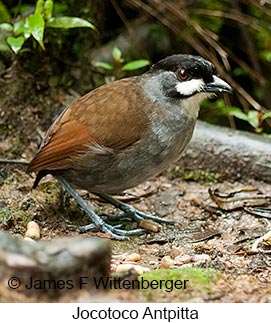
{"points": [[253, 117], [118, 67], [34, 25], [5, 216]]}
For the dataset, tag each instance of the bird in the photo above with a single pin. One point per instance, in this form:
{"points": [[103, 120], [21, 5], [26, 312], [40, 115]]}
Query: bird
{"points": [[123, 133]]}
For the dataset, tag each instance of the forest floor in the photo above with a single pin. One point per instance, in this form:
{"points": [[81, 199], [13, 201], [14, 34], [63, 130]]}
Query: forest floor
{"points": [[219, 242]]}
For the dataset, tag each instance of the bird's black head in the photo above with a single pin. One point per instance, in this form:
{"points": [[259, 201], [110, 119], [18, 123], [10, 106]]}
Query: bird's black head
{"points": [[187, 75]]}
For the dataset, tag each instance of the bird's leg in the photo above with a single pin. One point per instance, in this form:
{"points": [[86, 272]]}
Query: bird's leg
{"points": [[132, 212], [99, 223]]}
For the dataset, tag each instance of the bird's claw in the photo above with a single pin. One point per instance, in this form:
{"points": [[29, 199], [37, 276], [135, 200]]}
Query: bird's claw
{"points": [[114, 231]]}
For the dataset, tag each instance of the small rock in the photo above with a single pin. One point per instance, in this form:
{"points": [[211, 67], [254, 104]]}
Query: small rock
{"points": [[133, 257], [167, 262], [33, 230], [127, 267], [183, 259], [200, 258]]}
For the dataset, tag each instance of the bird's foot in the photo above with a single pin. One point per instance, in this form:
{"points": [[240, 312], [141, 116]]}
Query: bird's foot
{"points": [[134, 214], [131, 212], [114, 231], [98, 222], [128, 211]]}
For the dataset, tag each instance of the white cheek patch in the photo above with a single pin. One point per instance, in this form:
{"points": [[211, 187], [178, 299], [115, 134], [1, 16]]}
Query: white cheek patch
{"points": [[190, 87]]}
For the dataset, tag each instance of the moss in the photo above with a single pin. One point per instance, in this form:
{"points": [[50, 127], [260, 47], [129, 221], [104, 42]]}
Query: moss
{"points": [[5, 216], [196, 176], [72, 213], [10, 217], [198, 279], [22, 217], [47, 192]]}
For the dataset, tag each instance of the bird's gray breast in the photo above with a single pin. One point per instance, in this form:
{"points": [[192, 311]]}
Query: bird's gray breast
{"points": [[169, 131], [172, 120]]}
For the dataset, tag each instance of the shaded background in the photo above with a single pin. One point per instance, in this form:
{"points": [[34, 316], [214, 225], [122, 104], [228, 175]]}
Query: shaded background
{"points": [[233, 34]]}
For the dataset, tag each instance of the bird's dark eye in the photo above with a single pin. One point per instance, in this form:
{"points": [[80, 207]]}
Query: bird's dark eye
{"points": [[183, 74]]}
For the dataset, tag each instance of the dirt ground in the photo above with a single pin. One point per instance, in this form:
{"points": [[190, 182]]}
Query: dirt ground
{"points": [[226, 237], [221, 239]]}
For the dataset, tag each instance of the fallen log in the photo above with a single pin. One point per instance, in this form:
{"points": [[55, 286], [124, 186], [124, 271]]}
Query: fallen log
{"points": [[232, 153]]}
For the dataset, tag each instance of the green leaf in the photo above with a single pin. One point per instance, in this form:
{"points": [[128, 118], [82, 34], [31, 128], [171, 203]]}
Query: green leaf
{"points": [[134, 65], [15, 43], [48, 9], [104, 65], [116, 53], [40, 7], [266, 55], [220, 104], [258, 130], [4, 13], [231, 110], [7, 27], [4, 47], [34, 24], [239, 114], [68, 22], [18, 27], [253, 118], [266, 115]]}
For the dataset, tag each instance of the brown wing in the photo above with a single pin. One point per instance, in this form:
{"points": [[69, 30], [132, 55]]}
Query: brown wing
{"points": [[105, 120]]}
